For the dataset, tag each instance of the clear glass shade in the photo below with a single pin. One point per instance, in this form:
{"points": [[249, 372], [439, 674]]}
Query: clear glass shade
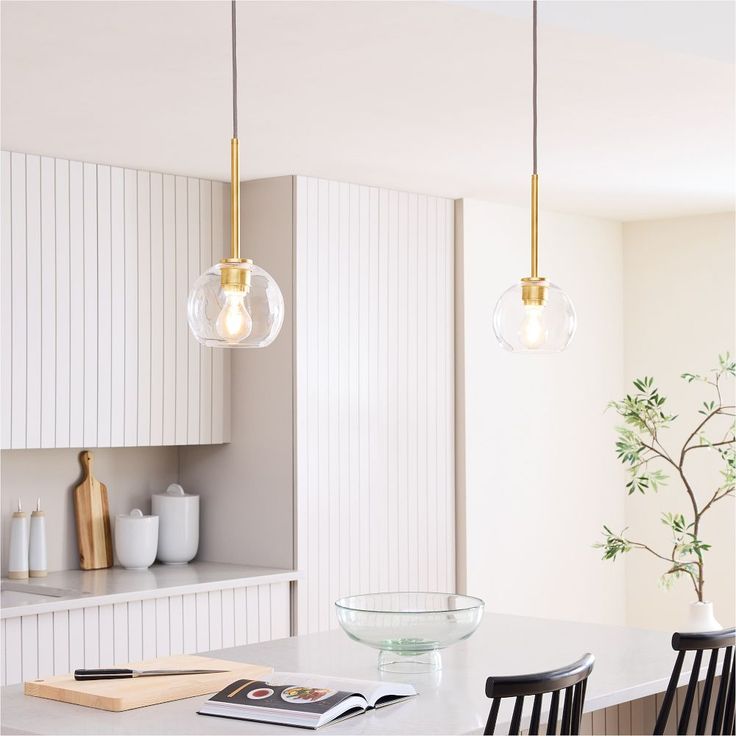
{"points": [[530, 328], [232, 317]]}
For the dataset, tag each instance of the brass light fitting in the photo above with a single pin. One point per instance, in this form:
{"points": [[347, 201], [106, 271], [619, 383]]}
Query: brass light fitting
{"points": [[235, 275], [534, 287]]}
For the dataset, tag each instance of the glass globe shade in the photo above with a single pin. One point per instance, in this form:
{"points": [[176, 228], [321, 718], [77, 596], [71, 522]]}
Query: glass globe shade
{"points": [[529, 328], [227, 318]]}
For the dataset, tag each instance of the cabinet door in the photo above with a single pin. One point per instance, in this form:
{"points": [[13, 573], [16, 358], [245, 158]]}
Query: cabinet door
{"points": [[112, 635], [97, 263]]}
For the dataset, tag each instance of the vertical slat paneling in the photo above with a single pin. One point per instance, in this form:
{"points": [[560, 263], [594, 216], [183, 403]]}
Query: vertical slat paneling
{"points": [[12, 651], [148, 618], [130, 236], [135, 631], [89, 238], [176, 624], [240, 616], [251, 615], [76, 639], [203, 621], [163, 627], [205, 261], [104, 308], [193, 347], [62, 640], [91, 636], [48, 304], [219, 241], [29, 647], [34, 298], [181, 376], [215, 619], [189, 622], [18, 349], [144, 308], [3, 667], [374, 356], [117, 308], [228, 621], [120, 633], [6, 297], [76, 305], [107, 635], [156, 317], [96, 266], [279, 610], [45, 644], [170, 310], [63, 303]]}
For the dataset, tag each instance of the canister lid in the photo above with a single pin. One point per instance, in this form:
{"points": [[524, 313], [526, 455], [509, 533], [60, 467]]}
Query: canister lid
{"points": [[175, 491], [135, 514]]}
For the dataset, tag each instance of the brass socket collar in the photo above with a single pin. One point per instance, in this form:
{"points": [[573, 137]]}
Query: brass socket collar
{"points": [[235, 274], [534, 291]]}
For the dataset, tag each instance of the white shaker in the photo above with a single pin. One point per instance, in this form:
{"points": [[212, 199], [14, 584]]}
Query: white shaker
{"points": [[18, 557], [178, 537], [37, 554]]}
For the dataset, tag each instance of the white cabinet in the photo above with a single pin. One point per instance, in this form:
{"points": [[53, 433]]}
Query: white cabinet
{"points": [[96, 264], [110, 634]]}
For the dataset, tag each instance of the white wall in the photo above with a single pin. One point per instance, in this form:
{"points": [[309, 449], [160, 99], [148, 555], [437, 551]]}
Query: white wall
{"points": [[540, 474], [131, 475], [679, 290]]}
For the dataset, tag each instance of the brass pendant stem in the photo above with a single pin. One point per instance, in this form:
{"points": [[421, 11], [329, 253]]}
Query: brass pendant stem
{"points": [[535, 226], [234, 200]]}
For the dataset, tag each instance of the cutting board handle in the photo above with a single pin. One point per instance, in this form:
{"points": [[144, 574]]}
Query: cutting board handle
{"points": [[85, 457]]}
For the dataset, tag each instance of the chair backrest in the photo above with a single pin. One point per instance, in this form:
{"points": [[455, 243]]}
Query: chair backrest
{"points": [[572, 679], [723, 710]]}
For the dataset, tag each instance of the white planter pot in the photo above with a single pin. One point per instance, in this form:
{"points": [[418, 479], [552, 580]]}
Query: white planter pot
{"points": [[701, 618]]}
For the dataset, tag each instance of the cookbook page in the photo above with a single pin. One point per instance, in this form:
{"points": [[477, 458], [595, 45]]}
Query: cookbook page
{"points": [[297, 696], [371, 690]]}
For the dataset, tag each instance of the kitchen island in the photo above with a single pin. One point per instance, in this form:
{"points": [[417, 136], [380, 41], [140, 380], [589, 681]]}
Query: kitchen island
{"points": [[631, 665]]}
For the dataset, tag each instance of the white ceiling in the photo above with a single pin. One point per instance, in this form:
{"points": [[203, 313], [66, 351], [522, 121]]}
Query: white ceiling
{"points": [[636, 98]]}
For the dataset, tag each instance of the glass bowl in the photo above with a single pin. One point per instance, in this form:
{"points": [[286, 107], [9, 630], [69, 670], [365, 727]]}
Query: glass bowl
{"points": [[409, 629]]}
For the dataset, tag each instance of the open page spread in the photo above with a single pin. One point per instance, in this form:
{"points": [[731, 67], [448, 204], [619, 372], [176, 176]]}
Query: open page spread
{"points": [[308, 701]]}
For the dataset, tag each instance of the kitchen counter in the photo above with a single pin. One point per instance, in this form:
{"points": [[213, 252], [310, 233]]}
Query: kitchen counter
{"points": [[83, 588], [630, 664]]}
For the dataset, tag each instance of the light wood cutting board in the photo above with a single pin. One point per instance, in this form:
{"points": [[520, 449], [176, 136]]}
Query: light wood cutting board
{"points": [[118, 695], [93, 519]]}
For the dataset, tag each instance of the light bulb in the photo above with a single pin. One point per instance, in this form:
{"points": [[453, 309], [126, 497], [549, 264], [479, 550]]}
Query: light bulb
{"points": [[234, 323], [533, 330]]}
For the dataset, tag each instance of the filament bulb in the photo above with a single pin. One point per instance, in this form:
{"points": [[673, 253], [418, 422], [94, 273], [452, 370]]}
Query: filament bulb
{"points": [[234, 323]]}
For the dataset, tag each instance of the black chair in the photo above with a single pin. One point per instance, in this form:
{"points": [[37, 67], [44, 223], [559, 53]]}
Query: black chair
{"points": [[572, 679], [723, 712]]}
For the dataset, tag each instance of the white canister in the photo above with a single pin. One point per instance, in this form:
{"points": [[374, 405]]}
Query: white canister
{"points": [[178, 537], [136, 539]]}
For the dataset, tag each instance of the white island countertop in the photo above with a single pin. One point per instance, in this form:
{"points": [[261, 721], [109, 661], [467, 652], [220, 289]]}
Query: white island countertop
{"points": [[116, 584], [630, 664]]}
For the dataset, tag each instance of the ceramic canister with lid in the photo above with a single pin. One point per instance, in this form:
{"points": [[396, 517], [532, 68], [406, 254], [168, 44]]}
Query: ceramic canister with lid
{"points": [[136, 539], [178, 537]]}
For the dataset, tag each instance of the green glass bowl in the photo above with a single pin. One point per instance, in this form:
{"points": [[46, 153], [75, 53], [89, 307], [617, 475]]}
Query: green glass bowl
{"points": [[409, 629]]}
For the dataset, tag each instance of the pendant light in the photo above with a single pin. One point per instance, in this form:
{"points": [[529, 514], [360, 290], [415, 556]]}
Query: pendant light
{"points": [[534, 315], [235, 304]]}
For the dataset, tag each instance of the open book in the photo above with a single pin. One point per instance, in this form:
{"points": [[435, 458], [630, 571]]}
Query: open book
{"points": [[308, 701]]}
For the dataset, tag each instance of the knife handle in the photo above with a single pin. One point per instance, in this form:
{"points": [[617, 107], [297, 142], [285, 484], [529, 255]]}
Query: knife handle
{"points": [[114, 674]]}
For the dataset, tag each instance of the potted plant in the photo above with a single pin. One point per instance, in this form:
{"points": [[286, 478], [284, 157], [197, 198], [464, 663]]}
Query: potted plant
{"points": [[649, 464]]}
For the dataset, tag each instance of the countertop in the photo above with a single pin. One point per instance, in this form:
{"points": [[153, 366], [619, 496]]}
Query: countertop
{"points": [[116, 584], [630, 664]]}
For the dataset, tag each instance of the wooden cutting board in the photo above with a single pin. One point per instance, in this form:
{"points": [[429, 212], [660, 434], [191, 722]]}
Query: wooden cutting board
{"points": [[118, 695], [93, 519]]}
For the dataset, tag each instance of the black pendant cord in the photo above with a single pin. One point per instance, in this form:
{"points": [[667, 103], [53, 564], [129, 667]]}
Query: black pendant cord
{"points": [[235, 71], [534, 86]]}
